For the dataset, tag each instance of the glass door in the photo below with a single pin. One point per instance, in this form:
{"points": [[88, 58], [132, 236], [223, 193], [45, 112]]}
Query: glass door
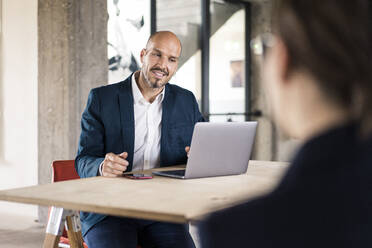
{"points": [[227, 62]]}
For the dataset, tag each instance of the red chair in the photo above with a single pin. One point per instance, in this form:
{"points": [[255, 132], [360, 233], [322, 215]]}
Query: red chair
{"points": [[64, 170]]}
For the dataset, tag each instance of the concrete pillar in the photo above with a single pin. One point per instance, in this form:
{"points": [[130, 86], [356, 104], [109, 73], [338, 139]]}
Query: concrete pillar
{"points": [[72, 60], [270, 143], [265, 139]]}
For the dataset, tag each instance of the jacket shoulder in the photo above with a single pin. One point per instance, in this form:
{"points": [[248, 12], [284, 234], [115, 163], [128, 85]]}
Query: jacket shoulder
{"points": [[180, 91], [112, 89]]}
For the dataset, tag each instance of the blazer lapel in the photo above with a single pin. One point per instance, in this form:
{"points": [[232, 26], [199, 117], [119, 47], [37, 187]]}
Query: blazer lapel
{"points": [[127, 119], [168, 102]]}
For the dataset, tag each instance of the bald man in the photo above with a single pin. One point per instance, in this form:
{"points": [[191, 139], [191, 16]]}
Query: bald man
{"points": [[140, 123]]}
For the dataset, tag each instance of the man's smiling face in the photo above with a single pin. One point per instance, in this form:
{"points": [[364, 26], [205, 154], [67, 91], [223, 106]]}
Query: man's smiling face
{"points": [[160, 59]]}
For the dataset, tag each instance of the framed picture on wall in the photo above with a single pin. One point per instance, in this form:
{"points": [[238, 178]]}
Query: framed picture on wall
{"points": [[128, 29], [237, 73]]}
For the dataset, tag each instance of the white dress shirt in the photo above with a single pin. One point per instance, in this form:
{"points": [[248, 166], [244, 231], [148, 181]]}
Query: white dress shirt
{"points": [[147, 130]]}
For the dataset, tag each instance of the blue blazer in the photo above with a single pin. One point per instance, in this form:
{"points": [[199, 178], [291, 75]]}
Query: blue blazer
{"points": [[107, 125]]}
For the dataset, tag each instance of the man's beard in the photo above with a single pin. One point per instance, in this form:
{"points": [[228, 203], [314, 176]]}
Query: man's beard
{"points": [[156, 85]]}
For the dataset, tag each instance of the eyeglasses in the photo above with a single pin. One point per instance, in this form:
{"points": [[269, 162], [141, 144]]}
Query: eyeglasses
{"points": [[262, 43]]}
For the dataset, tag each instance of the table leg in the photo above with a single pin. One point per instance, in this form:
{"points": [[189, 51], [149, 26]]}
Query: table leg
{"points": [[74, 230], [57, 218], [54, 228]]}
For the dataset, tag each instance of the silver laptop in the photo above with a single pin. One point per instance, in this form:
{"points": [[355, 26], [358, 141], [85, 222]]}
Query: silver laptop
{"points": [[217, 149]]}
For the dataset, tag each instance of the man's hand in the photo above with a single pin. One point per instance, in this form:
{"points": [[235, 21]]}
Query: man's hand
{"points": [[114, 165], [187, 149]]}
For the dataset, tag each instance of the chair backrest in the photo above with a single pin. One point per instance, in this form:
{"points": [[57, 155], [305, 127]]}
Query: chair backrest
{"points": [[64, 170]]}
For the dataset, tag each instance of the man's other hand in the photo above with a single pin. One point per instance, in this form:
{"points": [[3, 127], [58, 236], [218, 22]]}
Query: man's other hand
{"points": [[114, 165], [187, 149]]}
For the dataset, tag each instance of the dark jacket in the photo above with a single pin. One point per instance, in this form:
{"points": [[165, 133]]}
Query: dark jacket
{"points": [[324, 200], [107, 125]]}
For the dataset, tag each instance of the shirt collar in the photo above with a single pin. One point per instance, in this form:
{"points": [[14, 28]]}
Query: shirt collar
{"points": [[137, 94]]}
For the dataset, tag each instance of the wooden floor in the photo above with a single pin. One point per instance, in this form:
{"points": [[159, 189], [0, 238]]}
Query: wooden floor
{"points": [[20, 231]]}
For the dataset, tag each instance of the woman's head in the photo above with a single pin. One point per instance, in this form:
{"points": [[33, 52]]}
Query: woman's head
{"points": [[326, 43]]}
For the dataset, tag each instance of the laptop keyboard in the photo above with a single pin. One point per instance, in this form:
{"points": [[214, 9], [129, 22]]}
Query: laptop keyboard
{"points": [[176, 172]]}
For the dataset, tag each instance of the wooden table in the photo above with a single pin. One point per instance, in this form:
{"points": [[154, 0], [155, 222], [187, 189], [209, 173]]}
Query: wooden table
{"points": [[160, 198]]}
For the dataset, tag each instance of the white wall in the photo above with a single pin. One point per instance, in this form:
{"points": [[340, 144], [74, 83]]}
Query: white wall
{"points": [[18, 161]]}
